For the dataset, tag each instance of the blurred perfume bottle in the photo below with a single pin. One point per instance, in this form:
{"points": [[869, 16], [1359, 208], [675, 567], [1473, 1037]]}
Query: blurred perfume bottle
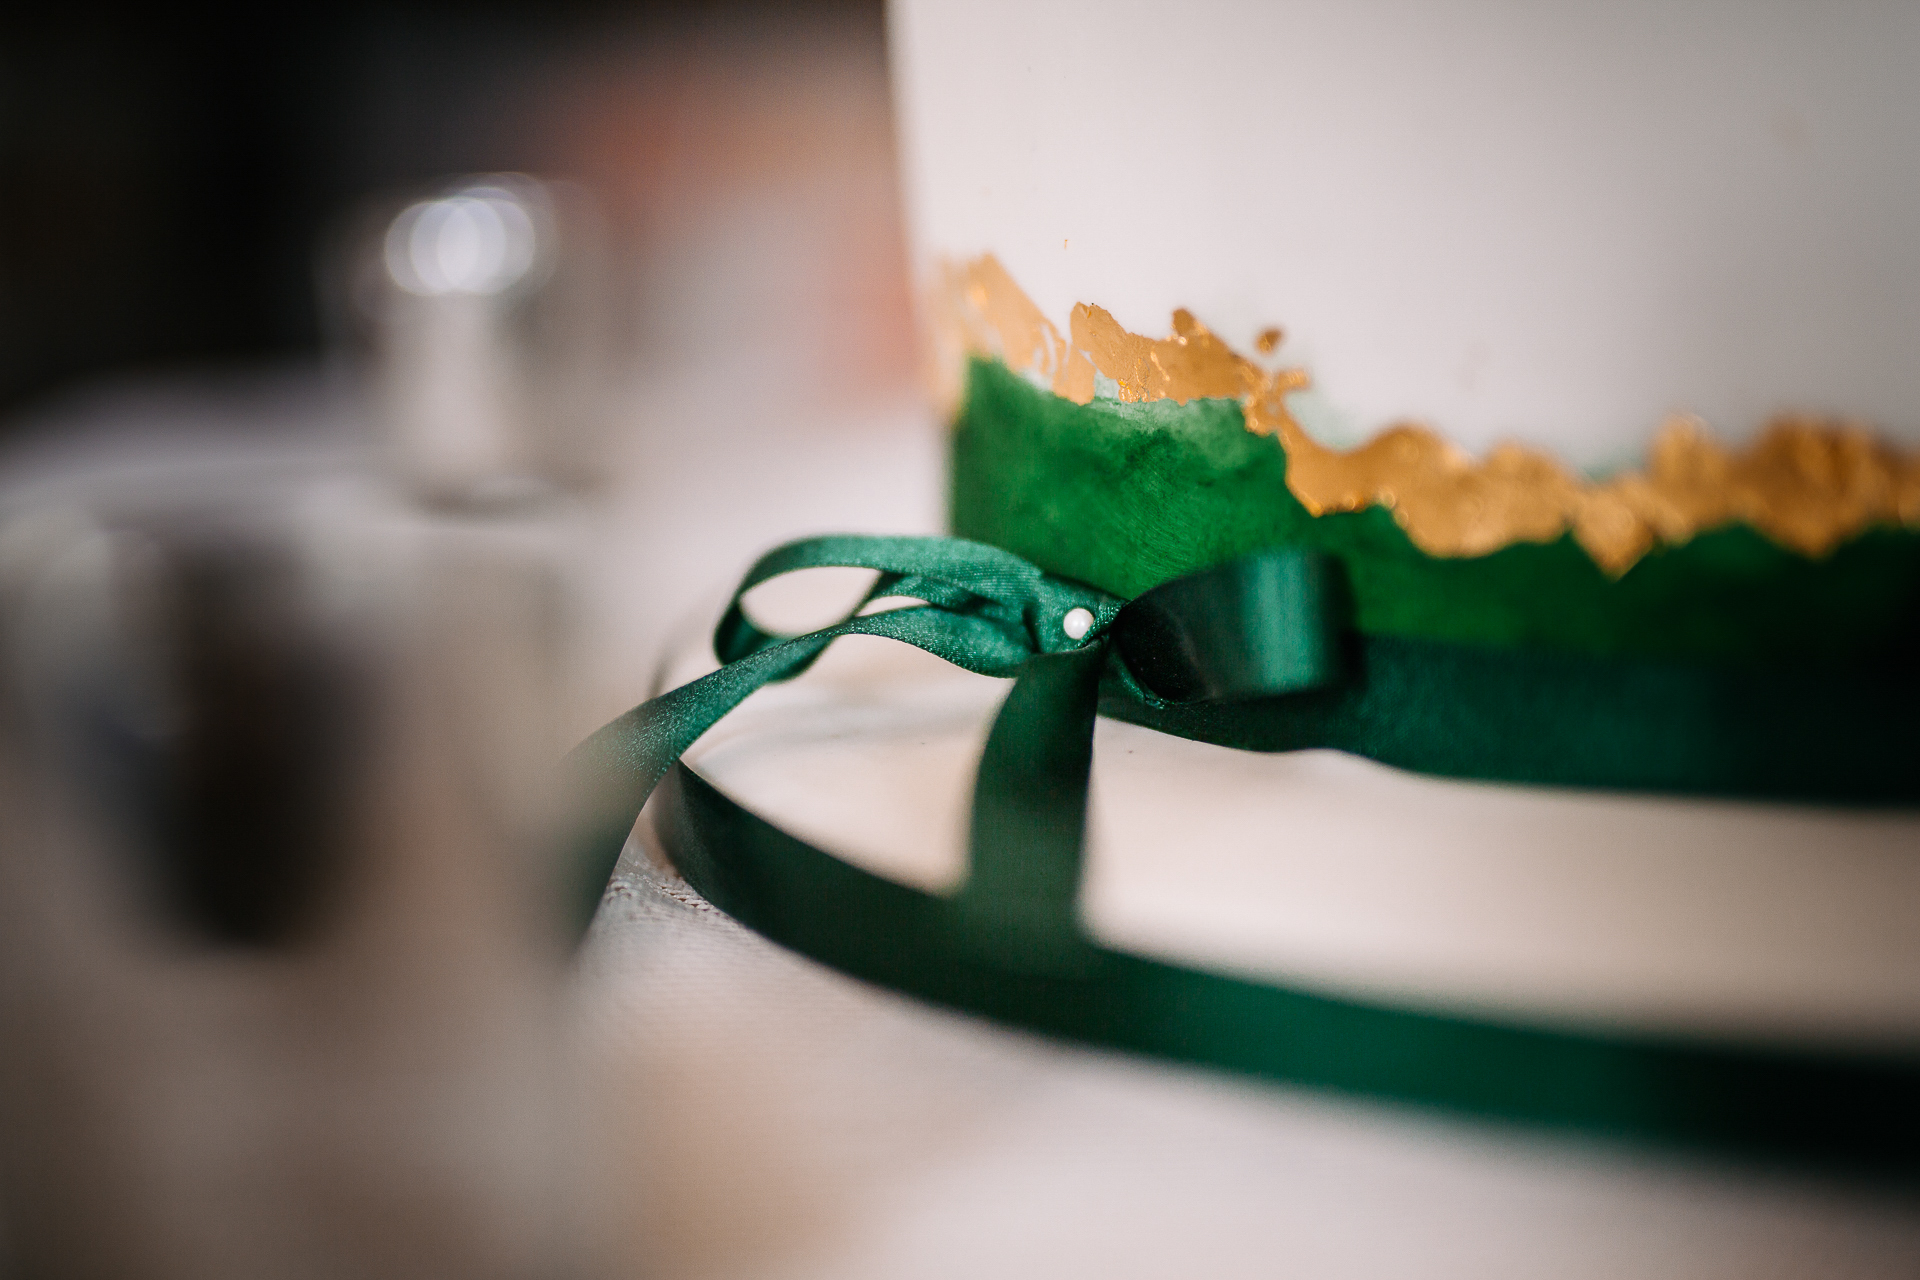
{"points": [[280, 945], [487, 312]]}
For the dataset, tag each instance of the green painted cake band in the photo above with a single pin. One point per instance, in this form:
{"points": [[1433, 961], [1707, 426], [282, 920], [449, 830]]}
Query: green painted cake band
{"points": [[1127, 496]]}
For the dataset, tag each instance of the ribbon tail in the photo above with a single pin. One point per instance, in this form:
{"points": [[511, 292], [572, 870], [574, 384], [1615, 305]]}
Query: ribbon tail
{"points": [[609, 776], [1030, 816]]}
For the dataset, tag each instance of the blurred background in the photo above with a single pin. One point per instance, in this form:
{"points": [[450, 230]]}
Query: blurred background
{"points": [[381, 387]]}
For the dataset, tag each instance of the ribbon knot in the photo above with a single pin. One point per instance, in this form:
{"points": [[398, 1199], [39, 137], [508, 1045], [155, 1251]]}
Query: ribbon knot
{"points": [[1262, 625]]}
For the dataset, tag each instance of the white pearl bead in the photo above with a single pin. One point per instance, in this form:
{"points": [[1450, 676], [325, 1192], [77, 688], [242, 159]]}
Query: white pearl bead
{"points": [[1077, 623]]}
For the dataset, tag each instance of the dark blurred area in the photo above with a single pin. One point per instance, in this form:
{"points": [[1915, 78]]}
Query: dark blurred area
{"points": [[169, 173]]}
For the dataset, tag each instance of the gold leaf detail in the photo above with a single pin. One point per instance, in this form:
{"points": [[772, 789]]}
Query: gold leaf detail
{"points": [[1807, 484]]}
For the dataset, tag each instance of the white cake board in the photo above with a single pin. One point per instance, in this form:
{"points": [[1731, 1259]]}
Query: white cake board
{"points": [[788, 1122], [792, 1122], [1324, 870]]}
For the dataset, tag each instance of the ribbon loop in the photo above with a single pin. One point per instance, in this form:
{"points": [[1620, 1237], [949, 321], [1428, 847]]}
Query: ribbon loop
{"points": [[1264, 624], [987, 611], [949, 573]]}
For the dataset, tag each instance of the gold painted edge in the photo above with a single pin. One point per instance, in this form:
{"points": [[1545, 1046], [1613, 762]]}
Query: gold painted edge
{"points": [[1809, 484]]}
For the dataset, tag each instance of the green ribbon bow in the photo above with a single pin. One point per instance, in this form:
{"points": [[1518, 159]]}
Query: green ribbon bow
{"points": [[1255, 654]]}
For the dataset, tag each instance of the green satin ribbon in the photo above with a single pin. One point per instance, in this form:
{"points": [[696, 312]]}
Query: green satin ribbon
{"points": [[1256, 654]]}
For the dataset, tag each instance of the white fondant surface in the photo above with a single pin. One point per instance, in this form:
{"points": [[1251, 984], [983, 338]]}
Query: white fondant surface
{"points": [[1558, 224], [1329, 871]]}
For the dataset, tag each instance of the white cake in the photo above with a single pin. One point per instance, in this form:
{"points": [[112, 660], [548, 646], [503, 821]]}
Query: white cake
{"points": [[1628, 291], [1558, 226]]}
